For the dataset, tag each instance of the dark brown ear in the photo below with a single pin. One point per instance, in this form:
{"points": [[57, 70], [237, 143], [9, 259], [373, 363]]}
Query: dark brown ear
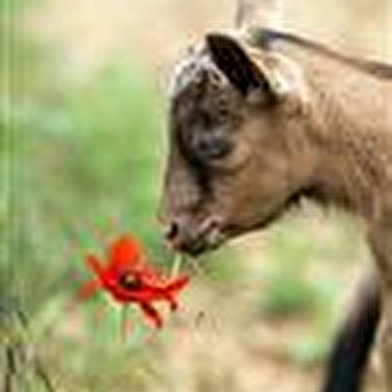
{"points": [[233, 61]]}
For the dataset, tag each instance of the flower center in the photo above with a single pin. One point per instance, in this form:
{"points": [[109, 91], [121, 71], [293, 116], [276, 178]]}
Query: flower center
{"points": [[130, 281]]}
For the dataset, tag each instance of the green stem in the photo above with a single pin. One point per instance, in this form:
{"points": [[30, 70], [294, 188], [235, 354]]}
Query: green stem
{"points": [[176, 267]]}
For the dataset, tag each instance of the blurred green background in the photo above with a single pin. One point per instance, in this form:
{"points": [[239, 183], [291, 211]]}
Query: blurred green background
{"points": [[82, 155]]}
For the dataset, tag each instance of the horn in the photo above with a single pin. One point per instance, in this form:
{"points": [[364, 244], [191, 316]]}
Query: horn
{"points": [[253, 14]]}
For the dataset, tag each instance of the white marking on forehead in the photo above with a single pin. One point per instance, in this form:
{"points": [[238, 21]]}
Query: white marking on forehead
{"points": [[191, 70]]}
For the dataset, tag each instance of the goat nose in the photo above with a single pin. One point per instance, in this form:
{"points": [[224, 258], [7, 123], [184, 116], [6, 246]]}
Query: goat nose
{"points": [[171, 231], [178, 234]]}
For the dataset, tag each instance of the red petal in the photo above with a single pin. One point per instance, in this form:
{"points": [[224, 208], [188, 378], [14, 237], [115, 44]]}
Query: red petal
{"points": [[152, 314], [151, 277], [117, 291], [177, 284], [140, 296], [150, 292], [124, 253], [172, 290], [121, 294], [88, 289], [95, 265]]}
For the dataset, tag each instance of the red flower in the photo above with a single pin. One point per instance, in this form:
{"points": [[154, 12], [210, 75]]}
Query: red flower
{"points": [[129, 278]]}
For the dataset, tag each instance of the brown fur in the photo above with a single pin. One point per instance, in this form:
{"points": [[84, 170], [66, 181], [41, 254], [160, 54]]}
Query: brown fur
{"points": [[257, 124]]}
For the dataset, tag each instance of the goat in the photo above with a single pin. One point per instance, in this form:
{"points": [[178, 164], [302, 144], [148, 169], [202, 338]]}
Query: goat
{"points": [[260, 118]]}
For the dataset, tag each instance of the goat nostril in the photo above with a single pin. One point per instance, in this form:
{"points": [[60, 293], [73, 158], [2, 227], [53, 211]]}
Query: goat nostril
{"points": [[172, 231]]}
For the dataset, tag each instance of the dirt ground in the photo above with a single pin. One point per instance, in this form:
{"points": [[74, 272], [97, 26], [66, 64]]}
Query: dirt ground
{"points": [[239, 354]]}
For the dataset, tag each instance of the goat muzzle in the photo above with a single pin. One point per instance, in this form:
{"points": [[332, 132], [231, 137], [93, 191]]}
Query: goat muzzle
{"points": [[184, 236]]}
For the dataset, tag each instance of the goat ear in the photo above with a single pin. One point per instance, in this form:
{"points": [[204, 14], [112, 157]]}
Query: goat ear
{"points": [[234, 62]]}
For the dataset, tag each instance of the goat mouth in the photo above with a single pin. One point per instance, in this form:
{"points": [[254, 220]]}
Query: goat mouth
{"points": [[220, 233], [206, 241], [199, 247]]}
